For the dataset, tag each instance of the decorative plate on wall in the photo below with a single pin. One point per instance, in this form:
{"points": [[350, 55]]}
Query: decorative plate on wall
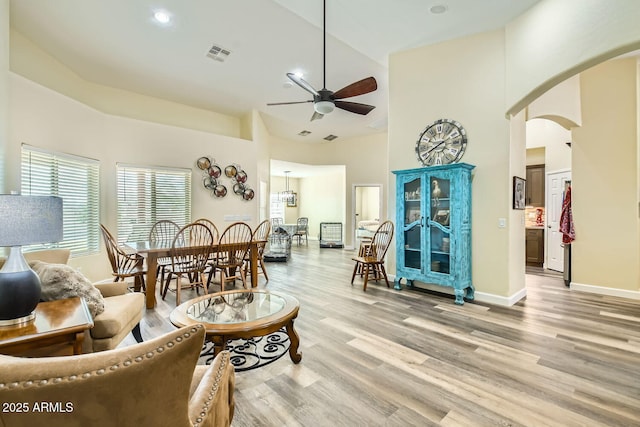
{"points": [[212, 180]]}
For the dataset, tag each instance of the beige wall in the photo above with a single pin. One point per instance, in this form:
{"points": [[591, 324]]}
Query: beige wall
{"points": [[557, 39], [322, 199], [560, 103], [551, 139], [33, 63], [604, 179], [535, 156], [421, 93], [66, 125], [4, 86]]}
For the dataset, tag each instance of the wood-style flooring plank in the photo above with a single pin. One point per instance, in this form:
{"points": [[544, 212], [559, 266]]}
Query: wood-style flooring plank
{"points": [[414, 358]]}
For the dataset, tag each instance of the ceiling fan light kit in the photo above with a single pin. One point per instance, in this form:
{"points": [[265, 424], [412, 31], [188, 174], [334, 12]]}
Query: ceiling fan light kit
{"points": [[323, 107], [324, 100]]}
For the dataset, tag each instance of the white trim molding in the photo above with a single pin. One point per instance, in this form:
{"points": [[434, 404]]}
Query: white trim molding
{"points": [[500, 300], [614, 292], [478, 296]]}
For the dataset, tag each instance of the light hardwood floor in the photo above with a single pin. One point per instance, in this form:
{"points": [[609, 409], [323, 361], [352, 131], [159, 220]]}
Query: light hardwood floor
{"points": [[411, 358]]}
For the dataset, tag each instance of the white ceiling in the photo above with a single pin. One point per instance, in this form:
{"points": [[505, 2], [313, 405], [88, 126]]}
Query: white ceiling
{"points": [[117, 43]]}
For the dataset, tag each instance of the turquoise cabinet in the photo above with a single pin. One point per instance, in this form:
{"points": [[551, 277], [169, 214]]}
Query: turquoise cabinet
{"points": [[433, 223]]}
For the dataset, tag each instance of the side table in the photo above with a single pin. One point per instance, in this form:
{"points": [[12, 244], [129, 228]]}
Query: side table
{"points": [[58, 330]]}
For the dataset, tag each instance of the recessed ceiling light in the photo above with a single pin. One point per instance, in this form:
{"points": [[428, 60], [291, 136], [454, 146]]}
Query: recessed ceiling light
{"points": [[298, 74], [162, 17], [438, 9]]}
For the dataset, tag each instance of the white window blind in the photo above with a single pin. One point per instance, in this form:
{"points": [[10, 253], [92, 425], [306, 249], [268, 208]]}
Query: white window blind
{"points": [[76, 180], [147, 195]]}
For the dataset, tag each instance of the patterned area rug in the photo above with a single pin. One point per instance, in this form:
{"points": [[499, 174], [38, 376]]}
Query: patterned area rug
{"points": [[251, 353]]}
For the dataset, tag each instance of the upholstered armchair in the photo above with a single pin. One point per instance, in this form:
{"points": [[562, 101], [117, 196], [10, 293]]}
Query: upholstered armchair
{"points": [[123, 310], [155, 383]]}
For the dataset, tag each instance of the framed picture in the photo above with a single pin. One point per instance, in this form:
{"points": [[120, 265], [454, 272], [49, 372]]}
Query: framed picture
{"points": [[518, 192], [293, 201]]}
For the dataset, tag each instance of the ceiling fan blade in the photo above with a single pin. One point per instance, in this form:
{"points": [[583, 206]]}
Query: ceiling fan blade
{"points": [[288, 103], [302, 83], [355, 107], [316, 116], [358, 88]]}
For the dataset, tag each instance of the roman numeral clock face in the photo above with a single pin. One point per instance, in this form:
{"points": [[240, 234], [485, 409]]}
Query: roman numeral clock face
{"points": [[442, 142]]}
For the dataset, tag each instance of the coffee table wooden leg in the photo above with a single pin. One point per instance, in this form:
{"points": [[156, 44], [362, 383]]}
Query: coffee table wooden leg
{"points": [[218, 344], [296, 356]]}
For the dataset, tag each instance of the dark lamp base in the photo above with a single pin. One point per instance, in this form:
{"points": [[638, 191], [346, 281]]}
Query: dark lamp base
{"points": [[19, 296]]}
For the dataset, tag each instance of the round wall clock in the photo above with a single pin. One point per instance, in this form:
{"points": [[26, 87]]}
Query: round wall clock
{"points": [[442, 142]]}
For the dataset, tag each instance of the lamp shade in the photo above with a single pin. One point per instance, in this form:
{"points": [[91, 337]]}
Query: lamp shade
{"points": [[27, 220], [24, 220]]}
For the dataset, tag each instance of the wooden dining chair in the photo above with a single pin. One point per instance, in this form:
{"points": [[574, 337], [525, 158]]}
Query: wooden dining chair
{"points": [[231, 251], [216, 237], [123, 264], [163, 231], [260, 235], [212, 227], [191, 263], [302, 230], [373, 259]]}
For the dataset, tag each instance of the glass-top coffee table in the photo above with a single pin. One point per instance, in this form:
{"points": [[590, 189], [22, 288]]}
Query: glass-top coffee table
{"points": [[245, 313]]}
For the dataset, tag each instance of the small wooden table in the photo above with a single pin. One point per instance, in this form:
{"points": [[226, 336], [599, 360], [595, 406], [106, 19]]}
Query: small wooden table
{"points": [[245, 313], [58, 330]]}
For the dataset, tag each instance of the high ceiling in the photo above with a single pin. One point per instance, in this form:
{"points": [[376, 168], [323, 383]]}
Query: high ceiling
{"points": [[118, 43]]}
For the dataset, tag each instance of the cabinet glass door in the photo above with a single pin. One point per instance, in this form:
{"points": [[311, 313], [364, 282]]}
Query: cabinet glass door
{"points": [[413, 223], [439, 224]]}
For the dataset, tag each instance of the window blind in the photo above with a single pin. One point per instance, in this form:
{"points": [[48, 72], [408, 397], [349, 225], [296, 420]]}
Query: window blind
{"points": [[76, 180], [150, 194]]}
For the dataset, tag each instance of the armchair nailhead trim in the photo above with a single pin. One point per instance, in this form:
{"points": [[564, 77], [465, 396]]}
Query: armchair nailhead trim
{"points": [[214, 388], [102, 371]]}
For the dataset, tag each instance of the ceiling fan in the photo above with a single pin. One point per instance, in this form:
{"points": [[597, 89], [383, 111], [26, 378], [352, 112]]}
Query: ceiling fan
{"points": [[324, 100]]}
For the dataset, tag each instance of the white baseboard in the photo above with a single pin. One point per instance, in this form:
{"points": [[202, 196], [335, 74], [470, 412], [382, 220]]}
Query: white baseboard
{"points": [[478, 296], [500, 300], [614, 292]]}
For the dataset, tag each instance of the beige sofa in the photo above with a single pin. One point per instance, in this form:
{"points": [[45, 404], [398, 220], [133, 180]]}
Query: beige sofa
{"points": [[123, 310], [155, 383]]}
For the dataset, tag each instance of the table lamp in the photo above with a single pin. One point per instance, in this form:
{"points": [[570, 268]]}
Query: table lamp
{"points": [[24, 220]]}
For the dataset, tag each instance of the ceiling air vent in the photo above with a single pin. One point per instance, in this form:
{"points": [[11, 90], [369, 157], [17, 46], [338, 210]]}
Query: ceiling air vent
{"points": [[330, 137], [304, 133], [218, 53]]}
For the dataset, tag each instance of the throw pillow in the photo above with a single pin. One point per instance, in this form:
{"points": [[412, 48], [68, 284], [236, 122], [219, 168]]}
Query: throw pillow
{"points": [[61, 281]]}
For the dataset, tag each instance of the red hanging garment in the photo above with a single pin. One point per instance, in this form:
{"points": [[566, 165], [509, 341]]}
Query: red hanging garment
{"points": [[566, 219]]}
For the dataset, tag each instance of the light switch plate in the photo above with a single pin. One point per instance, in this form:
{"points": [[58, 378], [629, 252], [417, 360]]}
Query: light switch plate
{"points": [[502, 222]]}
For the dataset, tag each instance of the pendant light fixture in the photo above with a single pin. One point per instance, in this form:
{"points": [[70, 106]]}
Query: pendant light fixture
{"points": [[286, 195]]}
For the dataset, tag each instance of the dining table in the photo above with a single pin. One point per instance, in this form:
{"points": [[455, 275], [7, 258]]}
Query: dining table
{"points": [[152, 250]]}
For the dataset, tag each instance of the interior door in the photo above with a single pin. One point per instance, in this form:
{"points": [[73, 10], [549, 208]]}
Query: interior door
{"points": [[367, 206], [556, 185]]}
